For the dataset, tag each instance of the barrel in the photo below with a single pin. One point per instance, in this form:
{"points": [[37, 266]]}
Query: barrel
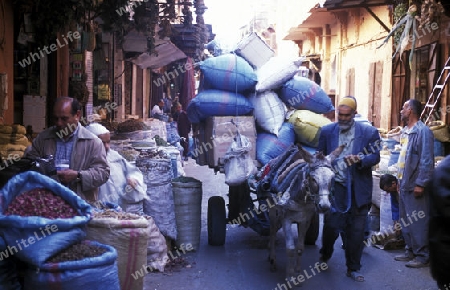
{"points": [[394, 158], [390, 143], [187, 197]]}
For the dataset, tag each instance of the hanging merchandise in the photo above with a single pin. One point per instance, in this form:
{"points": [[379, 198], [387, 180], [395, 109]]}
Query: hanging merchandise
{"points": [[238, 163]]}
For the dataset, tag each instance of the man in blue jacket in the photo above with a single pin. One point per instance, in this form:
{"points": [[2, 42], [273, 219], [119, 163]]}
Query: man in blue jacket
{"points": [[415, 168], [352, 196], [439, 226]]}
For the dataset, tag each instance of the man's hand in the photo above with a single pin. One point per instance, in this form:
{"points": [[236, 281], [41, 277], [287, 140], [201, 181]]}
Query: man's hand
{"points": [[132, 182], [418, 191], [67, 175]]}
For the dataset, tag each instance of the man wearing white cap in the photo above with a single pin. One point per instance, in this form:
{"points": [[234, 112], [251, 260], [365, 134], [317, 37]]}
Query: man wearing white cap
{"points": [[125, 185]]}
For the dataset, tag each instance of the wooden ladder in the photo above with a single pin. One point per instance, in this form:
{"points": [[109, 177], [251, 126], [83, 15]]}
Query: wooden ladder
{"points": [[436, 93]]}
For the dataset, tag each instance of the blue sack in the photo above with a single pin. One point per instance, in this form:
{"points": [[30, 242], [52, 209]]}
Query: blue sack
{"points": [[269, 146], [99, 273], [34, 239], [8, 270], [210, 103], [172, 133], [303, 94], [228, 72]]}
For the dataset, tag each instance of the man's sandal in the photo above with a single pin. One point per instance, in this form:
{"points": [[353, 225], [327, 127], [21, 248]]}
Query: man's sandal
{"points": [[355, 275]]}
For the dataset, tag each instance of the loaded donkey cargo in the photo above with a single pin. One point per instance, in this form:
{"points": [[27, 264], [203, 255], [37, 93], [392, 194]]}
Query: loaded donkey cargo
{"points": [[240, 124], [296, 183]]}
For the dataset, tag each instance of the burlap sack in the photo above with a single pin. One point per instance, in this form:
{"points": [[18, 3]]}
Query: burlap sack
{"points": [[130, 239], [157, 247]]}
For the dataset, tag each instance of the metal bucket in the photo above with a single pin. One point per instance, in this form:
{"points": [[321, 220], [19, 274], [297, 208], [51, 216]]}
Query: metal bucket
{"points": [[187, 197]]}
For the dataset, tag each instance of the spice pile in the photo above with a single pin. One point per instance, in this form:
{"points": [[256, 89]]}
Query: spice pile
{"points": [[120, 215], [129, 155], [131, 125], [40, 202], [78, 252], [153, 154]]}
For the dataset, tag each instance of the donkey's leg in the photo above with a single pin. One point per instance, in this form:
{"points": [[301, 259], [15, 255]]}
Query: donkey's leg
{"points": [[303, 219], [274, 227], [301, 230], [290, 248]]}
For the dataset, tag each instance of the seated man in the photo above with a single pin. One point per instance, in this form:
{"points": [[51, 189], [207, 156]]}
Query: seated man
{"points": [[125, 185], [158, 111], [388, 183]]}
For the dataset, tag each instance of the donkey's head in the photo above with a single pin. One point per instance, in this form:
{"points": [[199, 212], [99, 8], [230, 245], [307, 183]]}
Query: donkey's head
{"points": [[321, 175]]}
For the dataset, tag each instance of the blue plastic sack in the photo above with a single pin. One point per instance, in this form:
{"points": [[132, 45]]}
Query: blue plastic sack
{"points": [[8, 270], [172, 133], [34, 239], [303, 94], [210, 103], [99, 273], [228, 72], [269, 146]]}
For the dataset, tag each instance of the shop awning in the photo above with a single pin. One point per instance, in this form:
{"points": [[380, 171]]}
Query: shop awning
{"points": [[315, 20], [166, 51]]}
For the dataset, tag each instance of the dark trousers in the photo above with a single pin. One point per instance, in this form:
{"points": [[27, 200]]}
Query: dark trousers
{"points": [[185, 144], [352, 224]]}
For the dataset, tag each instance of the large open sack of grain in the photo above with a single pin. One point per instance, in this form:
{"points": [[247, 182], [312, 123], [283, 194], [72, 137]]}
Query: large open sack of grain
{"points": [[82, 266], [129, 234], [44, 213]]}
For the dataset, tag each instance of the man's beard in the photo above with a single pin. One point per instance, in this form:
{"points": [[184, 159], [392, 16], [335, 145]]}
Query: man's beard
{"points": [[346, 125]]}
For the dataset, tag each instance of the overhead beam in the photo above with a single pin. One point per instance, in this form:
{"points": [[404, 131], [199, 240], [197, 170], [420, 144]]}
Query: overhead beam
{"points": [[377, 19]]}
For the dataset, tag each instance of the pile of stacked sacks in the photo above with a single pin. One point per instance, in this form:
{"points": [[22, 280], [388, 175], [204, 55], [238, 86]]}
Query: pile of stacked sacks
{"points": [[287, 108], [13, 141]]}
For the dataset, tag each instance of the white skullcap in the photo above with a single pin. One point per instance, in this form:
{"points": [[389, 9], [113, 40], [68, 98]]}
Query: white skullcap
{"points": [[97, 129]]}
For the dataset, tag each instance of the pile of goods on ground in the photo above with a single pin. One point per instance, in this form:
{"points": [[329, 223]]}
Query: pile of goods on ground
{"points": [[13, 141], [131, 125]]}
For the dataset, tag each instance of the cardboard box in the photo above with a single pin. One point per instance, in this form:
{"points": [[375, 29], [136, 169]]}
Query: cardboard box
{"points": [[254, 50], [219, 134]]}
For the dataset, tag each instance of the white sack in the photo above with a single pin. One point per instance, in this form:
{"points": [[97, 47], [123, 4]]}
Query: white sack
{"points": [[269, 112]]}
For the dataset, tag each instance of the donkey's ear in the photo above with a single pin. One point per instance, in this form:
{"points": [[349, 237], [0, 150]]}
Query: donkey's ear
{"points": [[333, 155], [305, 154]]}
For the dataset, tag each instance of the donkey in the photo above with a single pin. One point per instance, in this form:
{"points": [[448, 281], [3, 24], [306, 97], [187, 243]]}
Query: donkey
{"points": [[308, 191]]}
